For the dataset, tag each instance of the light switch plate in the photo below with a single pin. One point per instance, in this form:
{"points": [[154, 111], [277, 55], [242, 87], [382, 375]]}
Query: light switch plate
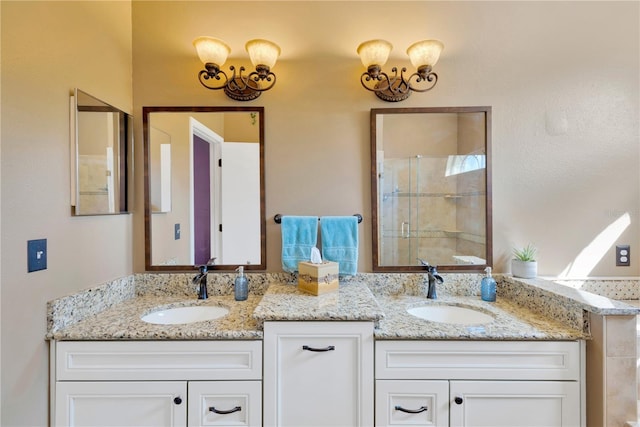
{"points": [[36, 255]]}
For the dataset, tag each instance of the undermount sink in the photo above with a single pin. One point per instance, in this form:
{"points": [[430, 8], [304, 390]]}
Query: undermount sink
{"points": [[181, 315], [451, 314]]}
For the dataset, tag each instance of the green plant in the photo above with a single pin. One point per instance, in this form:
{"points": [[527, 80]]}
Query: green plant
{"points": [[528, 253]]}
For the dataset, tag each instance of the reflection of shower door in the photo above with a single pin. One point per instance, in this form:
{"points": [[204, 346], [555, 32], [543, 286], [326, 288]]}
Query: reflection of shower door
{"points": [[202, 201], [399, 226], [422, 211]]}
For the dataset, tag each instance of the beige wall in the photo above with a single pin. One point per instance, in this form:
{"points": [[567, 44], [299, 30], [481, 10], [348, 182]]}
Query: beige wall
{"points": [[48, 48], [562, 79]]}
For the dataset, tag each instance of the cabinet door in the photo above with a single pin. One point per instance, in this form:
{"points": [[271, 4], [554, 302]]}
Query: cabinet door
{"points": [[412, 403], [225, 403], [112, 404], [318, 374], [515, 403]]}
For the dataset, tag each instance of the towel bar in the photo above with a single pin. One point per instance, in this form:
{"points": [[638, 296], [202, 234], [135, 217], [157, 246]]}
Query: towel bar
{"points": [[278, 218]]}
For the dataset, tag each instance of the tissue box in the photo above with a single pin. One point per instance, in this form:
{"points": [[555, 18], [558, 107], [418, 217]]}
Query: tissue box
{"points": [[318, 279]]}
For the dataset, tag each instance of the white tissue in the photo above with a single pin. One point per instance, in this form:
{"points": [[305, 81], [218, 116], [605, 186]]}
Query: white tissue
{"points": [[316, 258]]}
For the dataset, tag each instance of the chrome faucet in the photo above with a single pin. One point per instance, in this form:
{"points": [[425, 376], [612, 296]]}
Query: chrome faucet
{"points": [[432, 273], [201, 280]]}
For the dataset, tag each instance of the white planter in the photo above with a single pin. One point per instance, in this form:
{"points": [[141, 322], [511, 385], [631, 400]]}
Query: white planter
{"points": [[524, 269]]}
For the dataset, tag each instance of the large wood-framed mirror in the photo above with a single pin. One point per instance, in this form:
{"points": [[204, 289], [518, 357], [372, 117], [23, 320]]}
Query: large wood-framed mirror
{"points": [[204, 188], [431, 188]]}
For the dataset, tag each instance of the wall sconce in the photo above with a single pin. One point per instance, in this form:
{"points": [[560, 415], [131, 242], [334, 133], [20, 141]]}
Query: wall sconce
{"points": [[423, 55], [213, 54]]}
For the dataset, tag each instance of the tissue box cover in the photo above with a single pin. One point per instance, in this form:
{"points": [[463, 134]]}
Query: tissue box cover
{"points": [[318, 279]]}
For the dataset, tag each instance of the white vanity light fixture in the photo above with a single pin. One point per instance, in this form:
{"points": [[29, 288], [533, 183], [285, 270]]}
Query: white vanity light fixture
{"points": [[423, 55], [214, 52]]}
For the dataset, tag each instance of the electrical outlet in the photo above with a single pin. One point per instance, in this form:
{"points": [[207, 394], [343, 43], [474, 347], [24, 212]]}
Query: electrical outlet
{"points": [[176, 232], [36, 255], [623, 257]]}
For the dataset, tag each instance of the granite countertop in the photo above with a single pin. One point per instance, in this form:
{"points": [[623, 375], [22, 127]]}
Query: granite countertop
{"points": [[525, 310], [122, 321], [511, 322], [352, 301]]}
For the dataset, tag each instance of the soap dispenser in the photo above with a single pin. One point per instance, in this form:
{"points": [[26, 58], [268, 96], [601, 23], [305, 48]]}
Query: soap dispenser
{"points": [[241, 286], [488, 287]]}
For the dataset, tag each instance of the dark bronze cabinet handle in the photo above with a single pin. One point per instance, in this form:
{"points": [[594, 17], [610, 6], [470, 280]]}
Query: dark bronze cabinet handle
{"points": [[222, 412], [411, 411], [329, 348], [458, 400], [177, 400]]}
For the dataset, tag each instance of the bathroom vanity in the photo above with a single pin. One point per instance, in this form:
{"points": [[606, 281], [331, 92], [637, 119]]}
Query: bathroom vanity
{"points": [[352, 357], [158, 383]]}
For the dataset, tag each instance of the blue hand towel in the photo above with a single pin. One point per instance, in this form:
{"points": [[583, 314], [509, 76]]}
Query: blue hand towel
{"points": [[340, 242], [299, 235]]}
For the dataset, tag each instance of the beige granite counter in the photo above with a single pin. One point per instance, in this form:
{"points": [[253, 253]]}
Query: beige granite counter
{"points": [[525, 310], [511, 322], [122, 322], [352, 301]]}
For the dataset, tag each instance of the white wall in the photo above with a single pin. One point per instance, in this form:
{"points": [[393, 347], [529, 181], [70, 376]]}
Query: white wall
{"points": [[48, 48]]}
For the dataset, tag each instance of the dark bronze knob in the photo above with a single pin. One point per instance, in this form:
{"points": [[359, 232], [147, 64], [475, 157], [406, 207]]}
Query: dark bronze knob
{"points": [[458, 400], [177, 400]]}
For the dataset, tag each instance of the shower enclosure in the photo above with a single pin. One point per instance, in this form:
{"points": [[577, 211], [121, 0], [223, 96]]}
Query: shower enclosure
{"points": [[429, 212]]}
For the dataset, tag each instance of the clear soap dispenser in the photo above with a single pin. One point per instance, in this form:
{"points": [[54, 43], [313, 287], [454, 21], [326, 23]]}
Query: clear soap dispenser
{"points": [[241, 286], [488, 287]]}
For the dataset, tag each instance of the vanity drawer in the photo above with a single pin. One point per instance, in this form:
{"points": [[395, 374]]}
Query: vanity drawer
{"points": [[225, 403], [412, 403], [509, 360], [158, 360]]}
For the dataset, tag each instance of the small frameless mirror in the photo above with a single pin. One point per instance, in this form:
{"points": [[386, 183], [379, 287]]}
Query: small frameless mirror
{"points": [[101, 156], [431, 188]]}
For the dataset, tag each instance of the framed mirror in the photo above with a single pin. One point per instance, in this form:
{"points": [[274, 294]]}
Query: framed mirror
{"points": [[101, 156], [431, 188], [204, 188]]}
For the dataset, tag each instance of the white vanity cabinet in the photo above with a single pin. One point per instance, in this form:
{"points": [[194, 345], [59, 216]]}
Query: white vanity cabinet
{"points": [[318, 373], [121, 403], [153, 383], [473, 383]]}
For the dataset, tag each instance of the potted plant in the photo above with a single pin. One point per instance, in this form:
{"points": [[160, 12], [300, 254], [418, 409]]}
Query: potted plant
{"points": [[524, 264]]}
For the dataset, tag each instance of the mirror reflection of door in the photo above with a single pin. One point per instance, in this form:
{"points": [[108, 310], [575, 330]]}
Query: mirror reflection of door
{"points": [[205, 194], [201, 201], [225, 199], [240, 189]]}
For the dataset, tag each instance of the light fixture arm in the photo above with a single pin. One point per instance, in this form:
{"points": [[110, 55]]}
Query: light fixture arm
{"points": [[397, 88], [424, 74], [212, 71], [239, 86], [261, 74]]}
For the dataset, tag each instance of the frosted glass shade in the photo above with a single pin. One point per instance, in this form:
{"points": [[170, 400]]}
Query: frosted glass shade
{"points": [[374, 52], [263, 52], [425, 52], [212, 50]]}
